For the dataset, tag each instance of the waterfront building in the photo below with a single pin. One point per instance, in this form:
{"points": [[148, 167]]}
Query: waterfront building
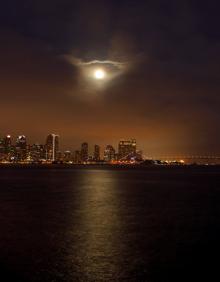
{"points": [[109, 153], [77, 157], [96, 155], [2, 149], [7, 143], [67, 156], [52, 147], [84, 152], [126, 148], [59, 156], [37, 152], [21, 148]]}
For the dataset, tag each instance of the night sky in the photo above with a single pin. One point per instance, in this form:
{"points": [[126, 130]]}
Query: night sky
{"points": [[162, 63]]}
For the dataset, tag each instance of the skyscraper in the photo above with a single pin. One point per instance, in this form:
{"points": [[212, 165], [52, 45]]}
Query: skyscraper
{"points": [[109, 153], [77, 157], [7, 144], [59, 156], [96, 155], [2, 147], [126, 148], [21, 148], [67, 156], [52, 147], [37, 152], [84, 152]]}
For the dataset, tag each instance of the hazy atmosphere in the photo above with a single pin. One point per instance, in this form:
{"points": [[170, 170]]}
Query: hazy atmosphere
{"points": [[161, 65]]}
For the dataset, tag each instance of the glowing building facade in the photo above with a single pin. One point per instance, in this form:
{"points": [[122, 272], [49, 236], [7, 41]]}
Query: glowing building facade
{"points": [[77, 157], [109, 153], [21, 148], [37, 152], [96, 155], [126, 148], [67, 156], [52, 147], [84, 152]]}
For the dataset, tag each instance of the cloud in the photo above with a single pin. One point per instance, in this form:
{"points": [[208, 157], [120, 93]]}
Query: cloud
{"points": [[88, 87], [162, 85], [119, 65], [109, 63]]}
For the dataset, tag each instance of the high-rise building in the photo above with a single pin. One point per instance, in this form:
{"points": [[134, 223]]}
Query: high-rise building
{"points": [[7, 144], [59, 156], [37, 152], [21, 148], [52, 147], [109, 153], [2, 147], [77, 157], [5, 147], [67, 156], [126, 148], [96, 155], [84, 152]]}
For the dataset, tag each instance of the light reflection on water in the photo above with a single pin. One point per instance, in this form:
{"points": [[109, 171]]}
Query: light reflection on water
{"points": [[159, 225], [99, 226]]}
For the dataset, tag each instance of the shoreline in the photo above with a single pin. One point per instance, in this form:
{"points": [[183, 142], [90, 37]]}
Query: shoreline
{"points": [[104, 166]]}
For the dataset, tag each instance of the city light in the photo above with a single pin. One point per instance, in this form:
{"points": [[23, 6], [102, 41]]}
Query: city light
{"points": [[49, 153]]}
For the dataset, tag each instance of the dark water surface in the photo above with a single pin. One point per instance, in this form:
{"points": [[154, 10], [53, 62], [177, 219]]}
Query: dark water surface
{"points": [[156, 224]]}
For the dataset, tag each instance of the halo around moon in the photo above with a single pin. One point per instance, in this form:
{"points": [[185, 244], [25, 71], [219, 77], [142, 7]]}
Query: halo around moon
{"points": [[99, 74]]}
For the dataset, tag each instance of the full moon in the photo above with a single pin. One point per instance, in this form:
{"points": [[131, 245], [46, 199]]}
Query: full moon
{"points": [[99, 74]]}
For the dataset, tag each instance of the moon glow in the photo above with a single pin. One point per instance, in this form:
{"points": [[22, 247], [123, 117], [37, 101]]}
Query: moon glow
{"points": [[99, 74]]}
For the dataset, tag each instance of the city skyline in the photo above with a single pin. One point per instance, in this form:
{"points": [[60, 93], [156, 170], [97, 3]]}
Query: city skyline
{"points": [[75, 144], [100, 71], [13, 140], [109, 140], [20, 150]]}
